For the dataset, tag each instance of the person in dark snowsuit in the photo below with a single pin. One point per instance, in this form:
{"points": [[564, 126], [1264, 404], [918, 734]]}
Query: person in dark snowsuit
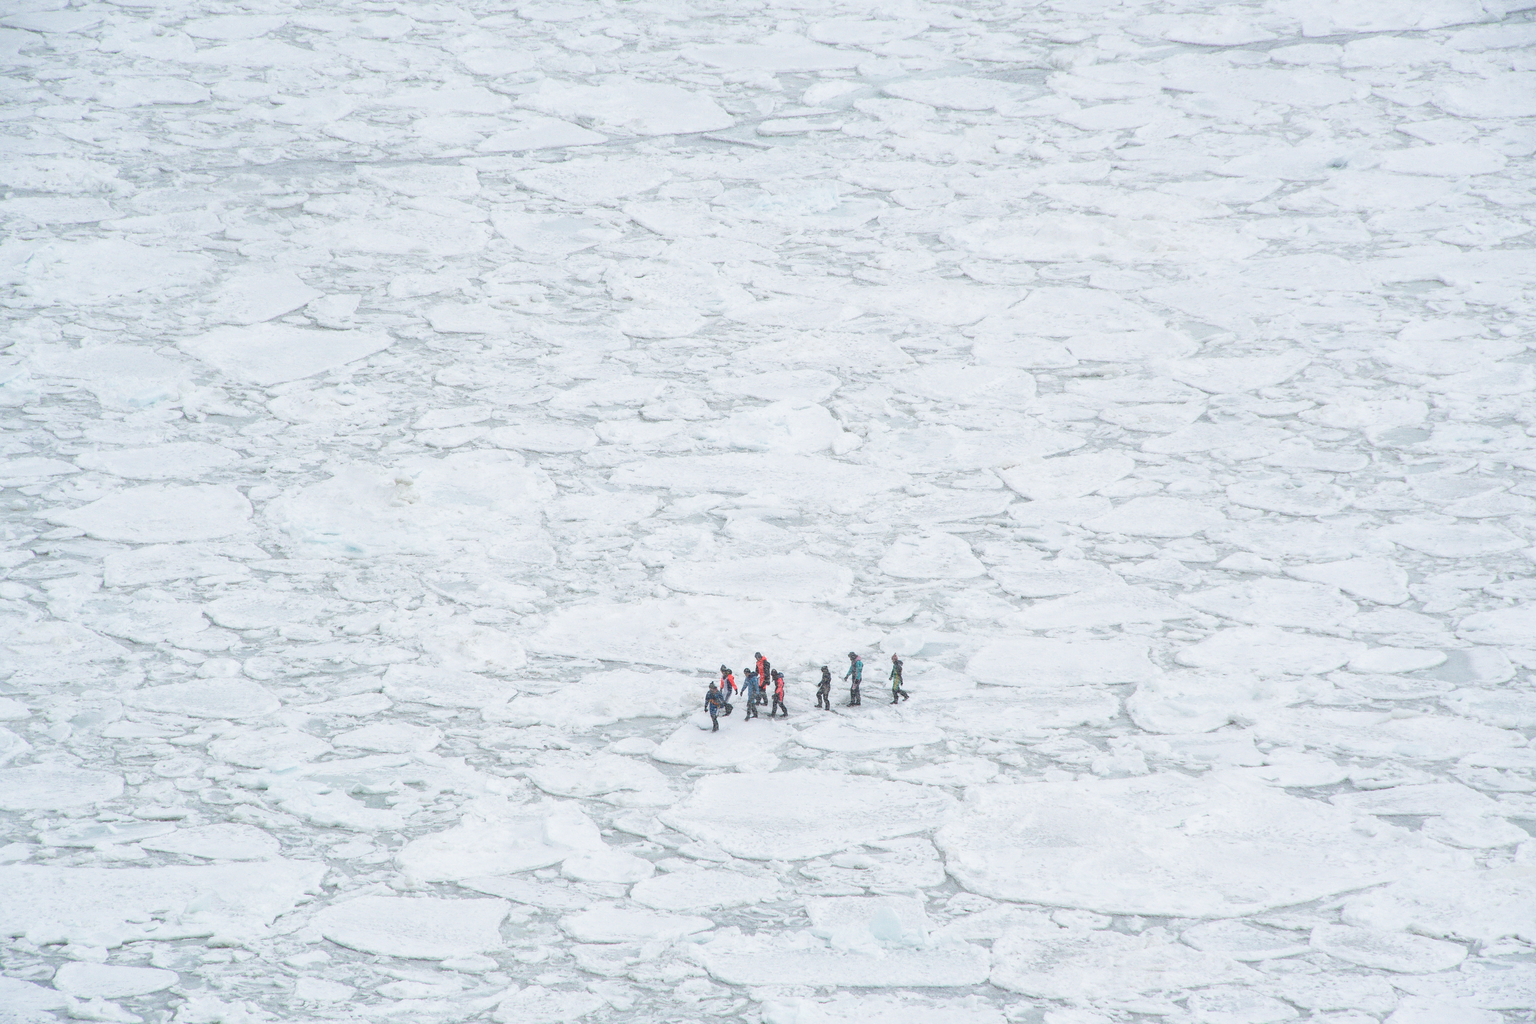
{"points": [[778, 696], [897, 693], [713, 702], [855, 677], [753, 686], [824, 689]]}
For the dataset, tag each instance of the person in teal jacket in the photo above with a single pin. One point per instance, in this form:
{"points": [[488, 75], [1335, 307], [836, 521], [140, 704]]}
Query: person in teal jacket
{"points": [[754, 686], [855, 677]]}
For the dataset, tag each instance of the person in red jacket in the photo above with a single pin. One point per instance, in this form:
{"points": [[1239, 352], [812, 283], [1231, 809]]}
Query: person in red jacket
{"points": [[763, 676], [778, 696], [728, 687]]}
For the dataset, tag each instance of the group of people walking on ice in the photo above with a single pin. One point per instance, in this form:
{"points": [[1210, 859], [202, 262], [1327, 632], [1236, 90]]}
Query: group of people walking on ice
{"points": [[760, 680]]}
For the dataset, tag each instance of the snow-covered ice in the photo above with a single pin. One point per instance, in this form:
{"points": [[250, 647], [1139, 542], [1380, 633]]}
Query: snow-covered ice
{"points": [[410, 407], [421, 928]]}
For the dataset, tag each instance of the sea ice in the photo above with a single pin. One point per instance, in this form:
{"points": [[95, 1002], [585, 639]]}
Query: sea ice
{"points": [[1371, 734], [615, 924], [1158, 517], [501, 841], [609, 865], [1047, 843], [420, 928], [539, 1005], [630, 107], [178, 461], [1495, 707], [1185, 702], [1510, 625], [737, 744], [1102, 606], [162, 514], [268, 354], [690, 632], [262, 609], [254, 295], [1407, 954], [443, 687], [705, 889], [110, 906], [865, 736], [275, 749], [1477, 904], [105, 981], [51, 787], [1275, 603], [599, 775], [804, 479], [848, 1008], [1026, 713], [778, 52], [1242, 940], [1098, 966], [496, 373], [397, 737], [780, 577], [236, 699], [105, 270], [934, 556], [1267, 650], [1452, 540], [428, 505], [743, 961], [803, 813], [1374, 578], [1067, 476], [226, 841], [1051, 578], [1035, 661]]}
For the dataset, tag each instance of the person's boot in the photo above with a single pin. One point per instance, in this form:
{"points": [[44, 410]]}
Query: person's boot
{"points": [[716, 728]]}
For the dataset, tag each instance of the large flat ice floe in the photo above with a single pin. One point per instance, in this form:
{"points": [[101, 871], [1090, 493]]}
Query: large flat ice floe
{"points": [[1201, 848], [799, 814], [105, 907], [414, 928]]}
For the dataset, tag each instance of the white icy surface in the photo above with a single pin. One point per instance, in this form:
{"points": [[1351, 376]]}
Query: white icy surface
{"points": [[1254, 847], [414, 928], [408, 408], [805, 813]]}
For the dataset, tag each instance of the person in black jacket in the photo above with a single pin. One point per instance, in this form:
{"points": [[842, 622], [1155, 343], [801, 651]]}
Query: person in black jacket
{"points": [[824, 689], [897, 693]]}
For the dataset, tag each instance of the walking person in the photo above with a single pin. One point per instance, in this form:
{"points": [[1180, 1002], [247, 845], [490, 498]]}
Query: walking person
{"points": [[855, 677], [824, 689], [728, 687], [778, 696], [897, 693], [764, 677], [753, 686], [713, 702]]}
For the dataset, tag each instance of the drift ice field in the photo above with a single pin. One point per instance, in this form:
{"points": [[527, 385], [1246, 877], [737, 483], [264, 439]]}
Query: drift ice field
{"points": [[408, 407]]}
